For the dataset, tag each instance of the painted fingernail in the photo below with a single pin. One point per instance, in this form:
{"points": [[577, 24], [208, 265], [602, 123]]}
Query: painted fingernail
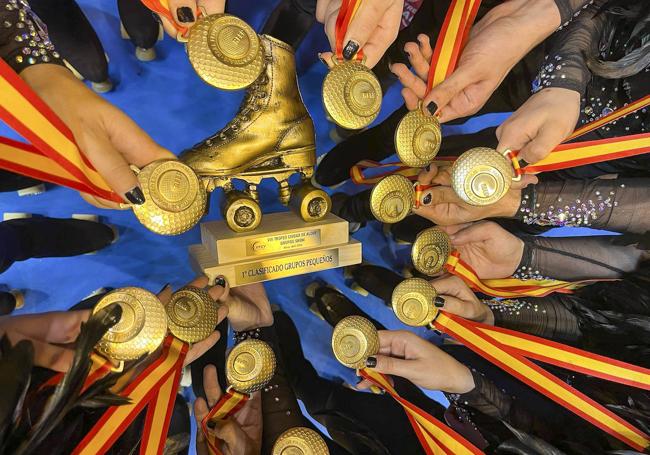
{"points": [[350, 49], [185, 14], [432, 107], [427, 199], [135, 196], [220, 281], [371, 362], [439, 302], [523, 163], [427, 168], [163, 288]]}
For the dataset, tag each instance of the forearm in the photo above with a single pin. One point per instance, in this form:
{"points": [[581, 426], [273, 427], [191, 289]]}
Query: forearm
{"points": [[619, 205]]}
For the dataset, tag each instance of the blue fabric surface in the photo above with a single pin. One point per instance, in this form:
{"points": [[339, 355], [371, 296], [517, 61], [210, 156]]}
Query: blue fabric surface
{"points": [[168, 100]]}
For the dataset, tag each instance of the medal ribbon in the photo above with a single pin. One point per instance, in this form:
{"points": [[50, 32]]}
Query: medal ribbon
{"points": [[155, 387], [53, 155], [230, 402], [435, 437], [162, 7], [509, 287], [358, 177], [100, 367], [345, 15], [539, 379]]}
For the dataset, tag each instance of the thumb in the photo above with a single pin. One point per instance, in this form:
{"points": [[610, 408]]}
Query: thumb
{"points": [[471, 234], [539, 148], [390, 365]]}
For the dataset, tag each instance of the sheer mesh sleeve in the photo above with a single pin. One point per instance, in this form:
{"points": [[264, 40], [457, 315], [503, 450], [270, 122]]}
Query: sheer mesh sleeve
{"points": [[546, 317], [619, 205], [23, 37], [577, 258], [568, 8], [565, 63]]}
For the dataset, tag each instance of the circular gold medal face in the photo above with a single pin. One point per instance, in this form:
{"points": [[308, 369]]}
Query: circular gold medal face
{"points": [[250, 366], [430, 251], [140, 330], [354, 340], [413, 302], [175, 200], [352, 95], [417, 138], [481, 176], [225, 51], [191, 314], [300, 441], [392, 198]]}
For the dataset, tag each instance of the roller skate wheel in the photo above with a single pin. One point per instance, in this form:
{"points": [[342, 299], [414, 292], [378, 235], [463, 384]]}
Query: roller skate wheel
{"points": [[32, 190], [15, 216], [243, 214], [102, 87], [358, 289], [161, 32], [145, 55], [76, 73], [310, 290], [313, 308], [123, 33], [312, 204], [85, 217], [20, 298]]}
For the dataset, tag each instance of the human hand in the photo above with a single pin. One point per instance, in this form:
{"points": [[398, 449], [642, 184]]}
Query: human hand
{"points": [[199, 348], [403, 353], [373, 28], [105, 135], [497, 42], [459, 299], [185, 13], [442, 205], [489, 249], [248, 306], [239, 435], [546, 119]]}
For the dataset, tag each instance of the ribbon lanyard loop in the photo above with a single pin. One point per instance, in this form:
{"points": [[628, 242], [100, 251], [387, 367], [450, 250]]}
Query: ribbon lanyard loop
{"points": [[346, 13], [230, 402]]}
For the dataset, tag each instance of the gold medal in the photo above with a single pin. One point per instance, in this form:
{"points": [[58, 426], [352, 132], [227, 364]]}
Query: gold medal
{"points": [[191, 314], [225, 51], [430, 251], [481, 176], [417, 138], [300, 441], [413, 302], [141, 328], [391, 199], [354, 340], [351, 95], [250, 366], [175, 200]]}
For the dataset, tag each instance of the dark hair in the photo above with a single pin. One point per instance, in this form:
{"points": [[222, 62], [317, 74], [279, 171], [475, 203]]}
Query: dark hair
{"points": [[625, 40]]}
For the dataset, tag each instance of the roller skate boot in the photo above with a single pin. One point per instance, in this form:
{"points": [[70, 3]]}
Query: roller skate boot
{"points": [[272, 136]]}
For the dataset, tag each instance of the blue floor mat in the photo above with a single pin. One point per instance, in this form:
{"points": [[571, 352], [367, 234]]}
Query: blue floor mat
{"points": [[168, 100]]}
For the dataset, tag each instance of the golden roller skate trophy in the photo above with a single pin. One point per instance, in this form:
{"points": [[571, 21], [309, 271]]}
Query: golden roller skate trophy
{"points": [[271, 137]]}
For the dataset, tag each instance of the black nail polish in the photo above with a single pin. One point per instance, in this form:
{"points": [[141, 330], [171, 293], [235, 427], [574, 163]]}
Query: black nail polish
{"points": [[523, 163], [428, 168], [439, 302], [163, 288], [350, 50], [427, 199], [432, 107], [220, 281], [135, 196], [371, 362], [185, 14]]}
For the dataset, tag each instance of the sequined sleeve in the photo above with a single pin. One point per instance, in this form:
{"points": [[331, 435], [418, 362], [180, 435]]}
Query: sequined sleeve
{"points": [[546, 317], [565, 62], [568, 8], [23, 37], [619, 205]]}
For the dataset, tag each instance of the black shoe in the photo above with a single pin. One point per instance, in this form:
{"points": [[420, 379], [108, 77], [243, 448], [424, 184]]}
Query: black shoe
{"points": [[53, 237], [75, 39], [408, 229], [330, 305], [375, 144], [353, 208], [288, 23], [140, 26], [376, 280]]}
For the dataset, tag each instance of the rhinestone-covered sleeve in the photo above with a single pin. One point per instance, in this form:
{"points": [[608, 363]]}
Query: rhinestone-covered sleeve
{"points": [[619, 205], [566, 50], [546, 317], [568, 8], [577, 258], [23, 37]]}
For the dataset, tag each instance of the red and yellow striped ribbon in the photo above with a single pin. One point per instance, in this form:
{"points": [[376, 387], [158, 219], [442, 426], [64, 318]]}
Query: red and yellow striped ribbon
{"points": [[347, 11], [436, 438], [100, 367], [358, 177], [162, 7], [509, 287], [540, 380], [617, 114], [230, 402], [53, 155], [156, 387]]}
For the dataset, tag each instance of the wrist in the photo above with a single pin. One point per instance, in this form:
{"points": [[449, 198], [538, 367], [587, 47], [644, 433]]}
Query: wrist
{"points": [[463, 381]]}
